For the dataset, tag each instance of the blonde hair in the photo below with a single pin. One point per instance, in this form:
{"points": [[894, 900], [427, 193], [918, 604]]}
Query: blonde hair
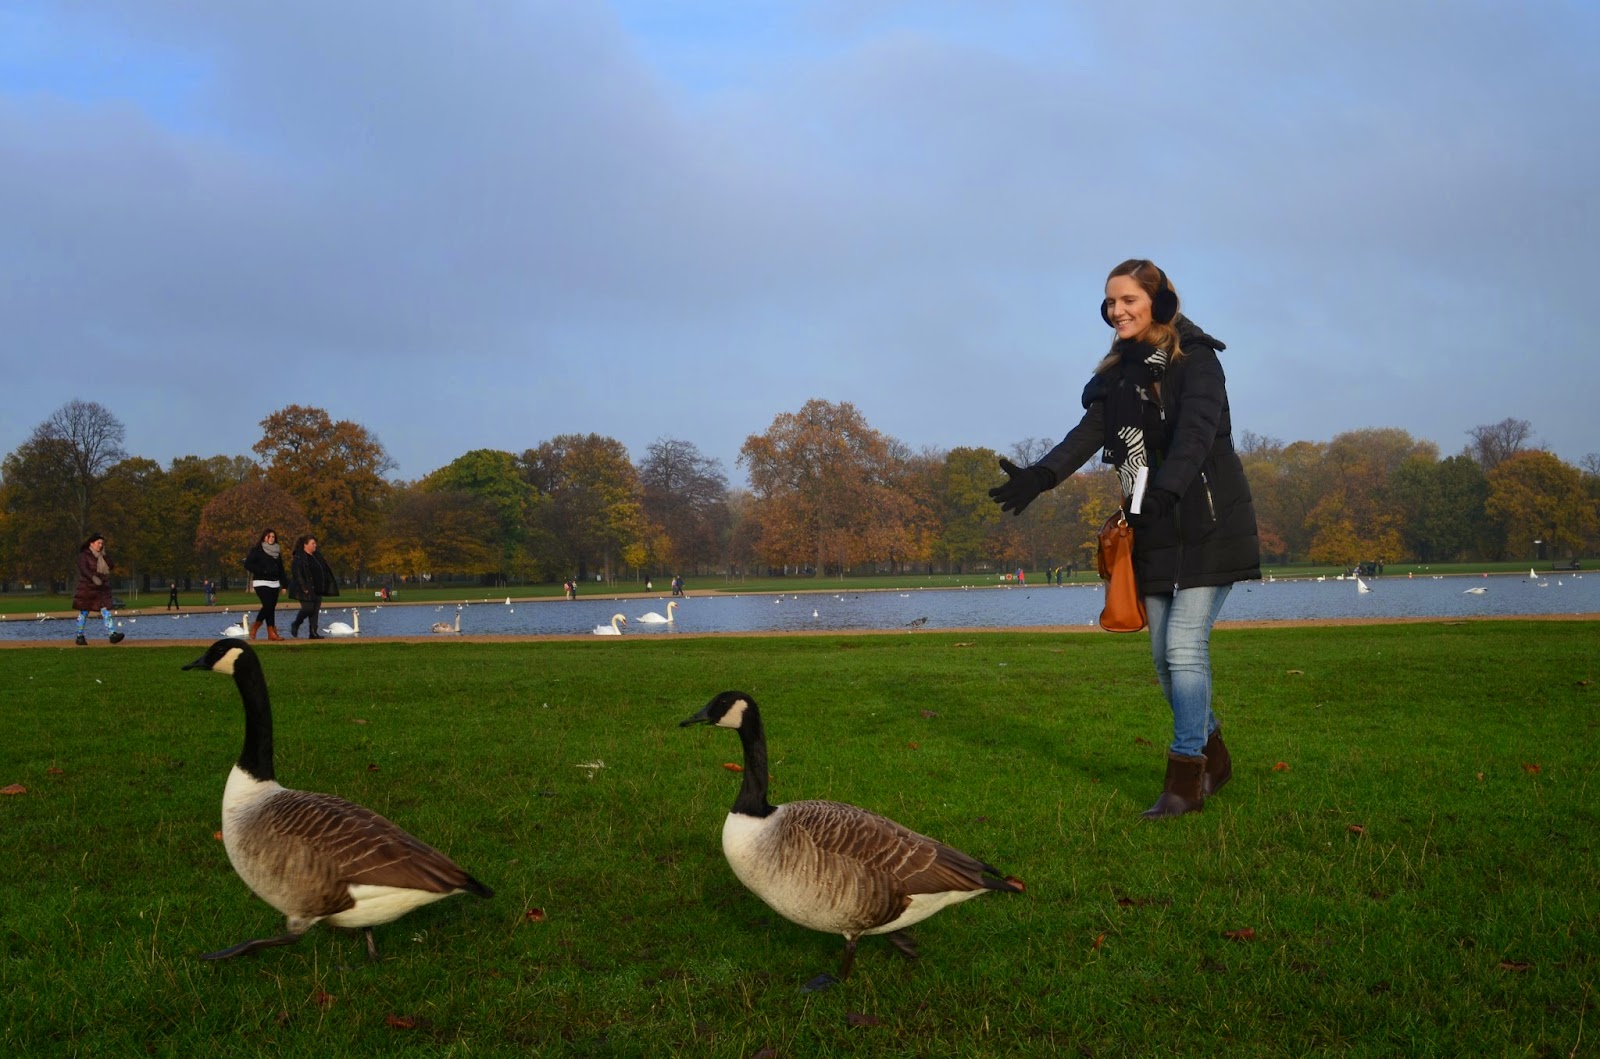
{"points": [[1152, 279]]}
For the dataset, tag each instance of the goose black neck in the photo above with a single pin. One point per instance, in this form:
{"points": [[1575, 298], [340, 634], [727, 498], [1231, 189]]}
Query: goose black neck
{"points": [[256, 757], [752, 800]]}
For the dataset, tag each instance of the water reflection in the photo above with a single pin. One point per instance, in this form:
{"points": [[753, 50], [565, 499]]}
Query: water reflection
{"points": [[998, 607]]}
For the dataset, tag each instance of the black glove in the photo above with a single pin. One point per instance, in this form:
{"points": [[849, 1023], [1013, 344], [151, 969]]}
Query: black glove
{"points": [[1157, 503], [1022, 486]]}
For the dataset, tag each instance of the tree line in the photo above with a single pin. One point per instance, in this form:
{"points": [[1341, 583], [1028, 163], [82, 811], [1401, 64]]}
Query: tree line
{"points": [[826, 492]]}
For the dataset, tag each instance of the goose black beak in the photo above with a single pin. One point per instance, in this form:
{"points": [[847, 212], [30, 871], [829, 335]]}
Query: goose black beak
{"points": [[703, 717], [198, 663]]}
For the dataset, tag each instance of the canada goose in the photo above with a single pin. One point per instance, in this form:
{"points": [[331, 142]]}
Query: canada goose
{"points": [[831, 866], [446, 627], [339, 628], [314, 856], [655, 619], [614, 629]]}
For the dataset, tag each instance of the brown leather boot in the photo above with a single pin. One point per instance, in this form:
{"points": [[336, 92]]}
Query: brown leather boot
{"points": [[1183, 791], [255, 627], [272, 633], [1219, 765]]}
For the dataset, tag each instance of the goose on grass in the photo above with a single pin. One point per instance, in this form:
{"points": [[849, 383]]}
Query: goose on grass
{"points": [[311, 856], [835, 867]]}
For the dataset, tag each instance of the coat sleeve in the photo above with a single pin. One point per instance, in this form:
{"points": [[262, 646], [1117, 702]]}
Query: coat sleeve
{"points": [[1081, 442], [1200, 407]]}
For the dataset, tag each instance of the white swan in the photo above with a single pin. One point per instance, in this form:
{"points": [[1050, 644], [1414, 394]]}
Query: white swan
{"points": [[446, 627], [1480, 590], [655, 619], [242, 629], [1361, 586], [614, 629], [339, 628]]}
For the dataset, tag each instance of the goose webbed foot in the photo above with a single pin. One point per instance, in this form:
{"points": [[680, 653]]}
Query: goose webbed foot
{"points": [[245, 948], [905, 943]]}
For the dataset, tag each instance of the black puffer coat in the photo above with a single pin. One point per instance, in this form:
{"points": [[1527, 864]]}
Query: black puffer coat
{"points": [[1210, 538]]}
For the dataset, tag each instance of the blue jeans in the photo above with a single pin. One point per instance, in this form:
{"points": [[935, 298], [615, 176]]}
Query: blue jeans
{"points": [[1180, 643]]}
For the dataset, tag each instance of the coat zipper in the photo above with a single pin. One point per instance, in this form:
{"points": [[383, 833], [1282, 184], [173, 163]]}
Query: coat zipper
{"points": [[1211, 505]]}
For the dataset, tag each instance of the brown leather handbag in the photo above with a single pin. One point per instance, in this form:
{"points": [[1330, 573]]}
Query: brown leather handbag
{"points": [[1124, 609]]}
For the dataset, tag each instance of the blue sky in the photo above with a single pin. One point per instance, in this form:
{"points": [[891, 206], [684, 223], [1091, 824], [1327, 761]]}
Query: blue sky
{"points": [[483, 225]]}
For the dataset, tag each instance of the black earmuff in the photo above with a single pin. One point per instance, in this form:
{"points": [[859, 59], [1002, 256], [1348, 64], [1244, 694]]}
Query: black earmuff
{"points": [[1163, 304]]}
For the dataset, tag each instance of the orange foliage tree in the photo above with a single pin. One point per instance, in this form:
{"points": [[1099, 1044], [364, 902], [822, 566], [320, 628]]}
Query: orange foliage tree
{"points": [[232, 523]]}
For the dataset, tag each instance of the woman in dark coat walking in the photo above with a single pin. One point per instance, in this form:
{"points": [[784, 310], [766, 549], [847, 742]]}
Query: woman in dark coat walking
{"points": [[312, 579], [265, 566], [1157, 406], [94, 588]]}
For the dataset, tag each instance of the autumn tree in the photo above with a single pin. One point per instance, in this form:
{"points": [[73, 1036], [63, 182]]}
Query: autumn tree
{"points": [[335, 470], [595, 513], [432, 531], [1534, 496], [1358, 518], [822, 479], [179, 497], [233, 521], [41, 525], [1286, 484], [87, 442], [686, 496], [126, 510], [1494, 443]]}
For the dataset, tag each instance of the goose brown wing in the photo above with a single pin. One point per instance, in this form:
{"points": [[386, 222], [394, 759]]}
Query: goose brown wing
{"points": [[887, 856], [354, 845]]}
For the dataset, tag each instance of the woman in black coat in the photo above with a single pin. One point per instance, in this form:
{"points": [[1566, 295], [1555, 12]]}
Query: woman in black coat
{"points": [[1157, 406], [312, 579], [265, 566]]}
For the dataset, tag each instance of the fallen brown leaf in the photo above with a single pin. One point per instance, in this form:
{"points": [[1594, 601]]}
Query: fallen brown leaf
{"points": [[766, 1053], [930, 713], [400, 1022], [1140, 740], [535, 915], [323, 1000], [358, 720], [1356, 829], [1294, 672], [15, 788], [53, 771], [1246, 934], [913, 746], [371, 767], [857, 1018], [733, 766], [1480, 777], [217, 835], [1532, 770], [1282, 766], [1584, 683], [1101, 940], [1515, 965], [964, 643]]}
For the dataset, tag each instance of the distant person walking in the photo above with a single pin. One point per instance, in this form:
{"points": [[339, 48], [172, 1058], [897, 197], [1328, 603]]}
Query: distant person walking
{"points": [[211, 593], [265, 565], [94, 588], [677, 585], [311, 579], [172, 598]]}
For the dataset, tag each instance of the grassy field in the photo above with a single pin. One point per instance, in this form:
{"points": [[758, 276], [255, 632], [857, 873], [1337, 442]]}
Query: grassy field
{"points": [[1404, 864], [27, 602]]}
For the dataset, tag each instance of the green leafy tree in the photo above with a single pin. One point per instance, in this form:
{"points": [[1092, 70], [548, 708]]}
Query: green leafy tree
{"points": [[517, 537], [595, 513], [126, 505], [1442, 506], [970, 519]]}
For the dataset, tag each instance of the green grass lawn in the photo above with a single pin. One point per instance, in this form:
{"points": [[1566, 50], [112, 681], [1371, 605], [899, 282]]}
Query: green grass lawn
{"points": [[1404, 864]]}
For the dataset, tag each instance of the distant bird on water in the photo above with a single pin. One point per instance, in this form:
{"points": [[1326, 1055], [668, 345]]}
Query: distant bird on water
{"points": [[1480, 590], [917, 624]]}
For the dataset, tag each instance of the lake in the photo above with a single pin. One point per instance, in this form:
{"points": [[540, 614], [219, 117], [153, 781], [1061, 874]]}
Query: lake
{"points": [[1001, 606]]}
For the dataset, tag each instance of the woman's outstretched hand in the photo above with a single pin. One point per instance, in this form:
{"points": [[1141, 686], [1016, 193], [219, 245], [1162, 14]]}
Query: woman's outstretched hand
{"points": [[1023, 484]]}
